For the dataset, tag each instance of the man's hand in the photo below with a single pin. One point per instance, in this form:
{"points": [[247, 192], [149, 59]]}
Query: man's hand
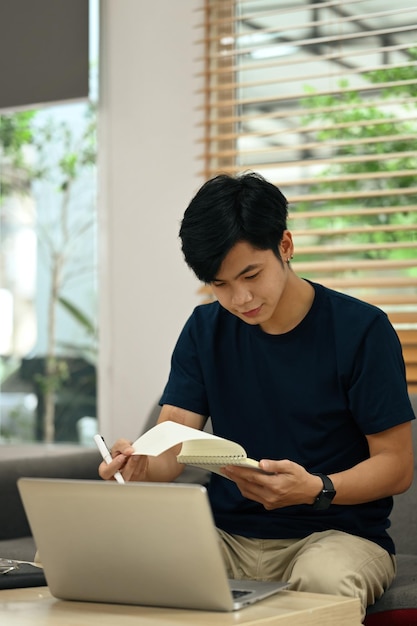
{"points": [[164, 467], [133, 467], [285, 484]]}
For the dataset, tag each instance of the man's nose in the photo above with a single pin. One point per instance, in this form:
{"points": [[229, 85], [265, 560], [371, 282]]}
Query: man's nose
{"points": [[241, 296]]}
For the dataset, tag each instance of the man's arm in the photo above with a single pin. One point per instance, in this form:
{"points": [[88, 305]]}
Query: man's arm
{"points": [[387, 472], [162, 468]]}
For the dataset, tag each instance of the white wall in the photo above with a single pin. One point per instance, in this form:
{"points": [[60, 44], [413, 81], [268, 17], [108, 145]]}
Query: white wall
{"points": [[148, 172]]}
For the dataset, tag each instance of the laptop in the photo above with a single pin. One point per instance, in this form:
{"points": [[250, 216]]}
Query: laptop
{"points": [[149, 544]]}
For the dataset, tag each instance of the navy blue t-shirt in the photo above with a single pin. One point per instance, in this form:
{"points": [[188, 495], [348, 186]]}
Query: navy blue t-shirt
{"points": [[309, 395]]}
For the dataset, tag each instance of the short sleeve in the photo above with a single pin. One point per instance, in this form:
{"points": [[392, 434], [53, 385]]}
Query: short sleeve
{"points": [[378, 392], [185, 387]]}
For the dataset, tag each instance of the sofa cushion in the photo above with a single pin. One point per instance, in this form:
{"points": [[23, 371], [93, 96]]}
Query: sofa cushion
{"points": [[55, 461], [403, 592], [21, 549], [404, 514], [398, 606], [396, 617]]}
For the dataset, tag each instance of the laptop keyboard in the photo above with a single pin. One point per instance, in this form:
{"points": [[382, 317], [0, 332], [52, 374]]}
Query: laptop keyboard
{"points": [[237, 593]]}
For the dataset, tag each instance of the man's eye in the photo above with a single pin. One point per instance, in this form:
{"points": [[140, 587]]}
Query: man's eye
{"points": [[252, 276]]}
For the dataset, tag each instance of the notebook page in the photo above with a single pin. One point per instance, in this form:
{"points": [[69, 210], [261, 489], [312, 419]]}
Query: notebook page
{"points": [[165, 435]]}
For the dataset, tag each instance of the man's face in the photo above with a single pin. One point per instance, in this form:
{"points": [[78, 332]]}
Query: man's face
{"points": [[251, 282]]}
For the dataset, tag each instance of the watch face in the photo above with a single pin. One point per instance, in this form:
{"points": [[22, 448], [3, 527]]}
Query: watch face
{"points": [[324, 499], [328, 494]]}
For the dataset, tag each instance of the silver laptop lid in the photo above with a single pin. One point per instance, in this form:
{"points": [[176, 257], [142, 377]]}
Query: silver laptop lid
{"points": [[140, 543]]}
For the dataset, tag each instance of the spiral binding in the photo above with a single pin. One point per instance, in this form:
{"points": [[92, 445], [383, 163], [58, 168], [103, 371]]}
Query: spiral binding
{"points": [[212, 460]]}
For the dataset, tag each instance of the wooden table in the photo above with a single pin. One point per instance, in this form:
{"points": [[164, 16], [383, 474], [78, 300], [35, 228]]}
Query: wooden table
{"points": [[36, 607]]}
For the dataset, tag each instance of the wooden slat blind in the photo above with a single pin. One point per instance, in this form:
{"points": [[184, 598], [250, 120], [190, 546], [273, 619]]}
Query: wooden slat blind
{"points": [[321, 98]]}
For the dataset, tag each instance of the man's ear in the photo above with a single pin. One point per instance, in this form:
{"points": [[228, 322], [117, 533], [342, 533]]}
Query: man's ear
{"points": [[286, 247]]}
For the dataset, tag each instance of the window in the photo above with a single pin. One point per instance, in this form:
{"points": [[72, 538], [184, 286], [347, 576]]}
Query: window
{"points": [[48, 260], [321, 98]]}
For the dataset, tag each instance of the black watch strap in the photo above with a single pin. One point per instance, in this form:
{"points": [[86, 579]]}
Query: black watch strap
{"points": [[326, 495]]}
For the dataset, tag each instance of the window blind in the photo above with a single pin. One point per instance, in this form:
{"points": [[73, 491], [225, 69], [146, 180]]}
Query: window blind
{"points": [[321, 99]]}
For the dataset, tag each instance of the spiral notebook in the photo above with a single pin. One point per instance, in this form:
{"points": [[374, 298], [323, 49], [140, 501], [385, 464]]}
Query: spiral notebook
{"points": [[137, 543], [199, 448]]}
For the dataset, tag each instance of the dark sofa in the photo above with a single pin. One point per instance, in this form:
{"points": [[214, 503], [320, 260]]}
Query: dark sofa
{"points": [[49, 461], [398, 606]]}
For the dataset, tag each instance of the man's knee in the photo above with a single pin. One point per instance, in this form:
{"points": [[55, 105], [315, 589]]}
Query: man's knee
{"points": [[343, 566], [309, 575]]}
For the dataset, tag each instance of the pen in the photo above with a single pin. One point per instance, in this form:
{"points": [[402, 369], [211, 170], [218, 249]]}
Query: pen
{"points": [[101, 445]]}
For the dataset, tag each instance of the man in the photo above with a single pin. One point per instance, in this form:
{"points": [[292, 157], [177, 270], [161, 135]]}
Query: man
{"points": [[308, 380]]}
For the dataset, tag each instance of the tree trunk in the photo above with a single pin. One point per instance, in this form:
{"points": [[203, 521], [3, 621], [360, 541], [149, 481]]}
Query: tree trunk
{"points": [[51, 370]]}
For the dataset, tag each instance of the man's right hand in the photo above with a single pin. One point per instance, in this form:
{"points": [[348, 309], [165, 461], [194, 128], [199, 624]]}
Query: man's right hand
{"points": [[133, 467], [164, 467]]}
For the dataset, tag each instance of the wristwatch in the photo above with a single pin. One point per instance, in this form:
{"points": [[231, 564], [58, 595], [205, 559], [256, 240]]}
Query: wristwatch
{"points": [[326, 495]]}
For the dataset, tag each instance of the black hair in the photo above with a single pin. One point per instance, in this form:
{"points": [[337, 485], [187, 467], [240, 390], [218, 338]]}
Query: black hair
{"points": [[227, 210]]}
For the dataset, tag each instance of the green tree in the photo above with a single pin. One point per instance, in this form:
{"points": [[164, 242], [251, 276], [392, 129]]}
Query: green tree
{"points": [[15, 135], [362, 133], [26, 149]]}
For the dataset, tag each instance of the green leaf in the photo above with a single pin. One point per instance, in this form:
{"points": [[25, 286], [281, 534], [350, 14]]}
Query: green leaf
{"points": [[78, 315]]}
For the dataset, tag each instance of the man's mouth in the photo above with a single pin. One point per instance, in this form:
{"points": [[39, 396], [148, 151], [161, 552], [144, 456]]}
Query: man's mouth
{"points": [[252, 312]]}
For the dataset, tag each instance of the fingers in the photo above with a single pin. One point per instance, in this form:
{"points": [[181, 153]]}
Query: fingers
{"points": [[274, 487], [108, 470], [132, 467], [121, 446], [136, 468]]}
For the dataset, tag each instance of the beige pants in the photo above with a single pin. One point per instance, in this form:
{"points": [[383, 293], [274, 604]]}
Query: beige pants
{"points": [[327, 562]]}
